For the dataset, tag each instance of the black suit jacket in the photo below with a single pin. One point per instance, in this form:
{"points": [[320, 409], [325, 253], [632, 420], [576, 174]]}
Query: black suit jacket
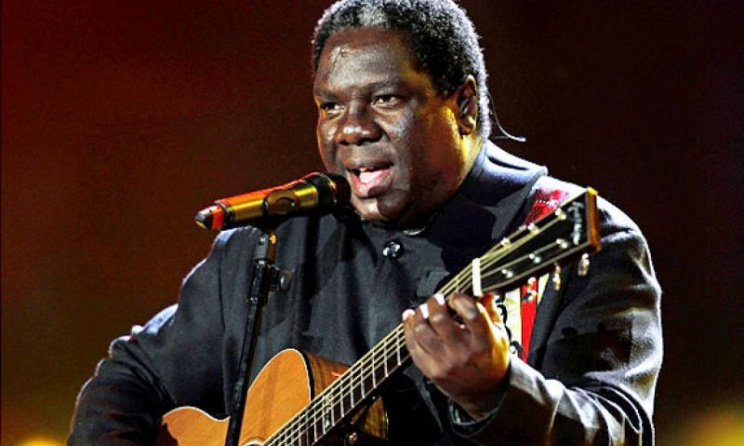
{"points": [[589, 378]]}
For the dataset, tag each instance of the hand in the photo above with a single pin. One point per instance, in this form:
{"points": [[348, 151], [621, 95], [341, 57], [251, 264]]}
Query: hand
{"points": [[466, 360]]}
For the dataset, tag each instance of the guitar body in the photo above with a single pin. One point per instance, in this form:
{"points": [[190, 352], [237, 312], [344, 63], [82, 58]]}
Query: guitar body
{"points": [[282, 389]]}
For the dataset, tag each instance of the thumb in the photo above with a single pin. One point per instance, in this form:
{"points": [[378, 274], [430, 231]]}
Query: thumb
{"points": [[489, 303]]}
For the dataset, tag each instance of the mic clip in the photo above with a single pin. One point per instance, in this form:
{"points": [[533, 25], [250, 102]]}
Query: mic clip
{"points": [[280, 280]]}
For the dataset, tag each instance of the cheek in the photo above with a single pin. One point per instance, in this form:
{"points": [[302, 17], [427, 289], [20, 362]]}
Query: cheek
{"points": [[404, 134], [438, 149], [325, 145]]}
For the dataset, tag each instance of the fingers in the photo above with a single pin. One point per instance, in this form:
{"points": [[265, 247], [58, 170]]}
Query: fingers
{"points": [[435, 331], [431, 326], [434, 327], [489, 303], [429, 335], [462, 353], [441, 322], [476, 317]]}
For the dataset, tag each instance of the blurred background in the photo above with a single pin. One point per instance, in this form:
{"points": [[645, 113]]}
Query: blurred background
{"points": [[120, 119]]}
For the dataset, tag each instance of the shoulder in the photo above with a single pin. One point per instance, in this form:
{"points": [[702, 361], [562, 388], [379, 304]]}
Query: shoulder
{"points": [[612, 218]]}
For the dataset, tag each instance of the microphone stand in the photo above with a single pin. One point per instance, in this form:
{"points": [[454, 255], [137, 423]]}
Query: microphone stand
{"points": [[265, 277]]}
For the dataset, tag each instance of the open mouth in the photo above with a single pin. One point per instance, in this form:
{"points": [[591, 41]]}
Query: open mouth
{"points": [[369, 175], [370, 181]]}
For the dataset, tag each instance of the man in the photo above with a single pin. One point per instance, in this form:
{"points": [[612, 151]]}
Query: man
{"points": [[403, 114]]}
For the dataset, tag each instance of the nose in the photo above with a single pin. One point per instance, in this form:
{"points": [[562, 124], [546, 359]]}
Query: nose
{"points": [[357, 127]]}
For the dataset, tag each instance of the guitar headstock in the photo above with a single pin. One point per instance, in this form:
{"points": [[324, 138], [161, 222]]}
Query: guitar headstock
{"points": [[555, 240]]}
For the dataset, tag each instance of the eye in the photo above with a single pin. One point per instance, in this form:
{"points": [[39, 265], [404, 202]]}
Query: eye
{"points": [[330, 107], [387, 101]]}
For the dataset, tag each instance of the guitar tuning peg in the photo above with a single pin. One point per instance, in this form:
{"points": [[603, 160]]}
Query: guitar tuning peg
{"points": [[584, 265], [557, 277]]}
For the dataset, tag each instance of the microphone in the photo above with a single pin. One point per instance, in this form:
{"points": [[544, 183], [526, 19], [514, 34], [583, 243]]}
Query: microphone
{"points": [[315, 193]]}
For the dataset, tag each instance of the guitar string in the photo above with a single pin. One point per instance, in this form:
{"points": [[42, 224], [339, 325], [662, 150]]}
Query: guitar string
{"points": [[339, 389]]}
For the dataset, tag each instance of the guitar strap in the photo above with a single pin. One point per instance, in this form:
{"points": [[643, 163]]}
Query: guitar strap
{"points": [[546, 200]]}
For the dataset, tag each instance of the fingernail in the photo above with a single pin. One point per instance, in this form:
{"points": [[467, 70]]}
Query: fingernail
{"points": [[424, 311], [408, 313], [469, 308], [440, 299]]}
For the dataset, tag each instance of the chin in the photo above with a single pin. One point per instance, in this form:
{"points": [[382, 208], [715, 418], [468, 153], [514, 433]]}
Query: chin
{"points": [[370, 214], [376, 210]]}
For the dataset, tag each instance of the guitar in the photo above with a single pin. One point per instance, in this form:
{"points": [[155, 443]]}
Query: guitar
{"points": [[307, 400]]}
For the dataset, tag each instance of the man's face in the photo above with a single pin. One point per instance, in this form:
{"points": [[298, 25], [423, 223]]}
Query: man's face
{"points": [[383, 125]]}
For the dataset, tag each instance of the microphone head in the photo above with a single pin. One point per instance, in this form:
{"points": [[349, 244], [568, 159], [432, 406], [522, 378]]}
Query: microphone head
{"points": [[211, 217], [334, 191]]}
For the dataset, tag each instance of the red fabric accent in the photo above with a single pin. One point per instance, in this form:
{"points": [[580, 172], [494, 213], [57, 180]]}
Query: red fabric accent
{"points": [[529, 310], [546, 202]]}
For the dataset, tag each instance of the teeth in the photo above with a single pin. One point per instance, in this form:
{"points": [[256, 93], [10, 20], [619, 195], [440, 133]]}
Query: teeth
{"points": [[366, 171]]}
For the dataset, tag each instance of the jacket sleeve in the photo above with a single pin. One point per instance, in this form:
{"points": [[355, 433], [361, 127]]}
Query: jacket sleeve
{"points": [[174, 360], [592, 382]]}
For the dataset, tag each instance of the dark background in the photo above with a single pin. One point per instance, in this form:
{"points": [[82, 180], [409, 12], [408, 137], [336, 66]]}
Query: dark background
{"points": [[120, 119]]}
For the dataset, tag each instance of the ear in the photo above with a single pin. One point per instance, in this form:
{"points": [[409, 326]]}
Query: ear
{"points": [[466, 97]]}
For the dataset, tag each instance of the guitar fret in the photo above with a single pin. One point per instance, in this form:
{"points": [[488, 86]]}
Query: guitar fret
{"points": [[335, 413], [360, 389], [304, 434], [380, 374], [400, 342], [309, 437], [315, 431], [341, 404], [350, 401], [384, 366], [392, 363], [315, 422], [325, 417], [330, 416], [368, 380]]}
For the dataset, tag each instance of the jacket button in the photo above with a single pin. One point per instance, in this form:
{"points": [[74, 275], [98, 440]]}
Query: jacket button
{"points": [[393, 249]]}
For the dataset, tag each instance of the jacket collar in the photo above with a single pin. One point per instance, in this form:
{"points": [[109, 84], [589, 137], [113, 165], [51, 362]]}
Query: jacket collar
{"points": [[492, 196]]}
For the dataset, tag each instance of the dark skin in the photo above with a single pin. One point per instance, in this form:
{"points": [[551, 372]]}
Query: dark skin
{"points": [[406, 149], [466, 360], [383, 125]]}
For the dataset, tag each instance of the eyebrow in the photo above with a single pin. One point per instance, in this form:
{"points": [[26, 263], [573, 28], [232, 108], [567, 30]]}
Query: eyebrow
{"points": [[369, 87]]}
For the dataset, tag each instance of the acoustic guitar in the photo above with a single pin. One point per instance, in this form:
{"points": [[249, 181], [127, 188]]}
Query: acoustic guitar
{"points": [[306, 400]]}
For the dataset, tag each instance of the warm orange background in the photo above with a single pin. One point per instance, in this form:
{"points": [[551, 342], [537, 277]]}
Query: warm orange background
{"points": [[120, 119]]}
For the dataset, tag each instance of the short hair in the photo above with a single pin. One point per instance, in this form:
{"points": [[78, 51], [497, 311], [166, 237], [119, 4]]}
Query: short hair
{"points": [[443, 38]]}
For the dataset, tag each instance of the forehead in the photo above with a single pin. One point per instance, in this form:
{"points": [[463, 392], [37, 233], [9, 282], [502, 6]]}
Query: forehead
{"points": [[367, 55]]}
